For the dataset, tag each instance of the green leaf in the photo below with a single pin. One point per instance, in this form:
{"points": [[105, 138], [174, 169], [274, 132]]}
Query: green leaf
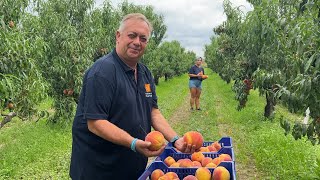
{"points": [[309, 62]]}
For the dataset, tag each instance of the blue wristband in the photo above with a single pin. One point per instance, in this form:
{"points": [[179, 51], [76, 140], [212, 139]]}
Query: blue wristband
{"points": [[174, 139], [133, 144]]}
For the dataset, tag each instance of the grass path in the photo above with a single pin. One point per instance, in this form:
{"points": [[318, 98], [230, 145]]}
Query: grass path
{"points": [[261, 149], [182, 113]]}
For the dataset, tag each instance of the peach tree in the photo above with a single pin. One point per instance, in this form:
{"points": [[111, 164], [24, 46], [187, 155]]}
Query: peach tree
{"points": [[275, 49]]}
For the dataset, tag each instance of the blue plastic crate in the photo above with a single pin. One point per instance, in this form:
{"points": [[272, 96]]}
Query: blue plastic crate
{"points": [[183, 172], [224, 142], [177, 155]]}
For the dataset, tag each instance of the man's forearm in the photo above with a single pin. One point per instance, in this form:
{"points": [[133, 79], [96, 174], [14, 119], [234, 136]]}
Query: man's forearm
{"points": [[110, 132]]}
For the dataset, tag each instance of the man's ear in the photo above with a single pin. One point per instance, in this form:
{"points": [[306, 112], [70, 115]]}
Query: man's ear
{"points": [[118, 34]]}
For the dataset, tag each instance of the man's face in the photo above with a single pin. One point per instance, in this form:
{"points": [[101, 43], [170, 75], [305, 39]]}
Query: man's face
{"points": [[132, 41]]}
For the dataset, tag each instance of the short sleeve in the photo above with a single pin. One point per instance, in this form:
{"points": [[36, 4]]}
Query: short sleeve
{"points": [[191, 70], [98, 98]]}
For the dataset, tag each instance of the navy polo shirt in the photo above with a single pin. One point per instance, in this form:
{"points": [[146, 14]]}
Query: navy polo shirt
{"points": [[110, 92], [195, 70]]}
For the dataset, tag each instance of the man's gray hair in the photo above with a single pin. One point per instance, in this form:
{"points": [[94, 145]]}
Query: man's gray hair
{"points": [[135, 16]]}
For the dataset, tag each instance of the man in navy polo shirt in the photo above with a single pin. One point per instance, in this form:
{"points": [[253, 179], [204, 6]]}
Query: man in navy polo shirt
{"points": [[116, 109]]}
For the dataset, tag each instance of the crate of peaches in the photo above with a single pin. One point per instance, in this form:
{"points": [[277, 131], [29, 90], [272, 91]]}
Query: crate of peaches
{"points": [[223, 142], [213, 159], [158, 170], [208, 149]]}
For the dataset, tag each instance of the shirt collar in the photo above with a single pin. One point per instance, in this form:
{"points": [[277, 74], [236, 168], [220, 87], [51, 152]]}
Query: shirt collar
{"points": [[124, 66]]}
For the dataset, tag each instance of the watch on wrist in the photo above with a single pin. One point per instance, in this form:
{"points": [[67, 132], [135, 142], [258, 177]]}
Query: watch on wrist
{"points": [[174, 139]]}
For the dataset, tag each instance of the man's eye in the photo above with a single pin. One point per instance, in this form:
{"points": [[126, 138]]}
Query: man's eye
{"points": [[132, 36], [143, 39]]}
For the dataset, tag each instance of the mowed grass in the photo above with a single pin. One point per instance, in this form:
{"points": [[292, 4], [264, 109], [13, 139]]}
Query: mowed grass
{"points": [[30, 150]]}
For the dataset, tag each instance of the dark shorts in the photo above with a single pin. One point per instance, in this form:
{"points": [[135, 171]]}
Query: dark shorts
{"points": [[194, 83]]}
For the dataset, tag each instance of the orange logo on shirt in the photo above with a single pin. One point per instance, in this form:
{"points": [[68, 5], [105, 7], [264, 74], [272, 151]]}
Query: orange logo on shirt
{"points": [[147, 87]]}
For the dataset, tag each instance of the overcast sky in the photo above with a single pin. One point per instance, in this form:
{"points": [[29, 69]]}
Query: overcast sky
{"points": [[189, 21]]}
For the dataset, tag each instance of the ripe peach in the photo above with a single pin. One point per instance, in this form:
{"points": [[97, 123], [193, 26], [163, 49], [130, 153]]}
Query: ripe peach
{"points": [[70, 92], [204, 149], [156, 174], [221, 173], [185, 163], [211, 165], [197, 156], [65, 92], [225, 157], [216, 160], [172, 175], [169, 160], [206, 161], [216, 145], [204, 76], [203, 173], [157, 140], [190, 177], [193, 138], [164, 177], [10, 105], [196, 164], [176, 164], [212, 148]]}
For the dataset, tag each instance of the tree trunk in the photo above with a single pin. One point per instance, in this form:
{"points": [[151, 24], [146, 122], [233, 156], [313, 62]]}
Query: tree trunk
{"points": [[166, 77], [269, 108], [156, 80]]}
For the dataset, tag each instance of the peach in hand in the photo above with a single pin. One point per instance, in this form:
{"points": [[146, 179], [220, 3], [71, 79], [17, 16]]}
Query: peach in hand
{"points": [[157, 140], [204, 76], [193, 138]]}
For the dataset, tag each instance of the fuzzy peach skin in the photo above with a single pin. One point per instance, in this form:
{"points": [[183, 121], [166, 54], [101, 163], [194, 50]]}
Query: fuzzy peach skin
{"points": [[206, 161], [212, 148], [157, 140], [216, 145], [204, 76], [185, 163], [197, 156], [156, 174], [172, 175], [225, 157], [203, 173], [196, 164], [190, 177], [211, 165], [176, 164], [169, 161], [193, 138], [220, 173], [204, 149]]}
